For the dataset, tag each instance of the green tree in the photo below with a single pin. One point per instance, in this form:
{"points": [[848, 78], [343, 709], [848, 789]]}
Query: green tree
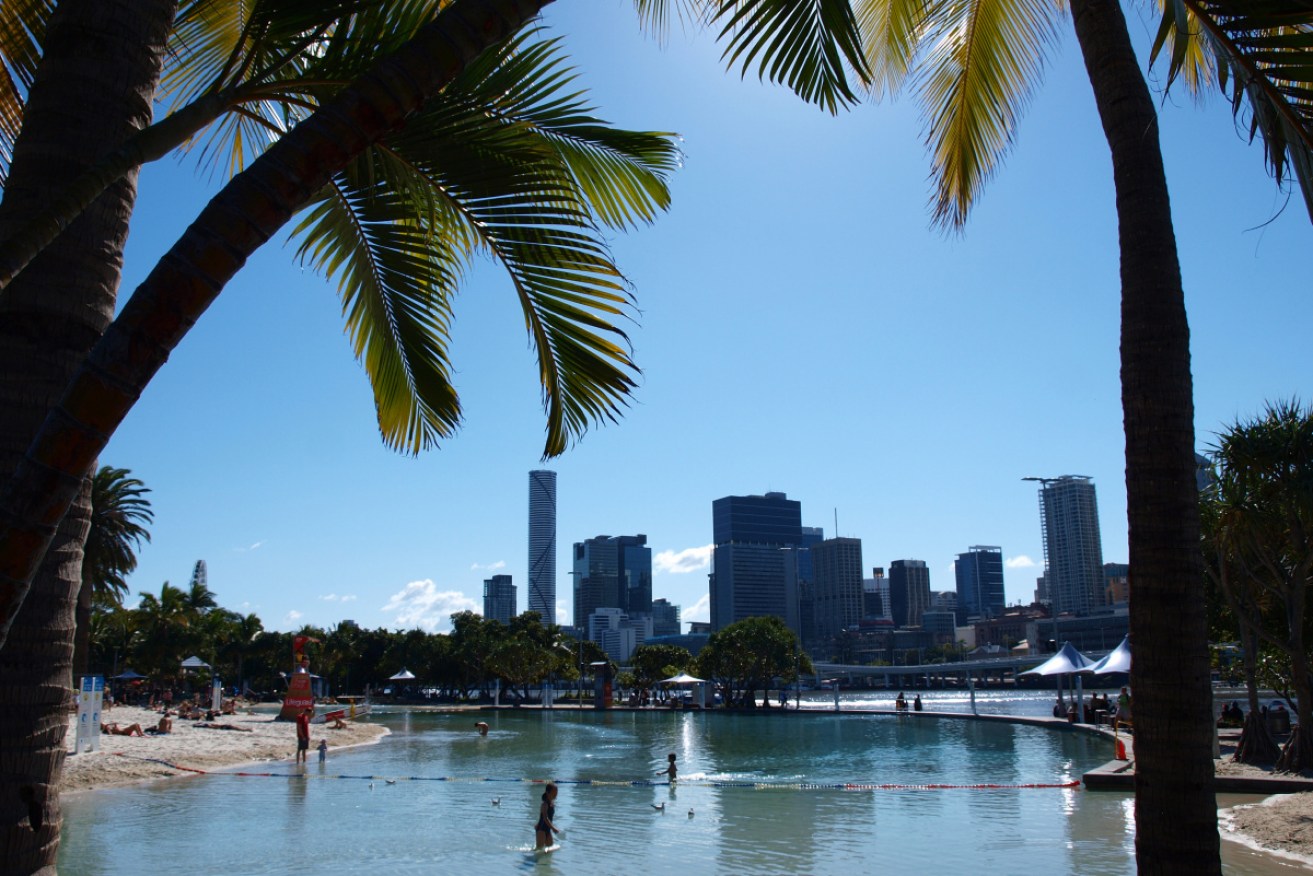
{"points": [[976, 65], [119, 515], [1262, 537], [743, 657], [651, 663]]}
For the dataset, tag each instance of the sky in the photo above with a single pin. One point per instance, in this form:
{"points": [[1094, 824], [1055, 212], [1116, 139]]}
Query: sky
{"points": [[802, 328]]}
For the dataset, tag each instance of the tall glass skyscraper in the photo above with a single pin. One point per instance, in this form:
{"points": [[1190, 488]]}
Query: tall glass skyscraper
{"points": [[979, 574], [499, 598], [754, 564], [612, 572], [542, 544], [909, 591], [1073, 549]]}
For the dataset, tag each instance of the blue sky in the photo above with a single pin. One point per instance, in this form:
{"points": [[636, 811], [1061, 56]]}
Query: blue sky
{"points": [[802, 329]]}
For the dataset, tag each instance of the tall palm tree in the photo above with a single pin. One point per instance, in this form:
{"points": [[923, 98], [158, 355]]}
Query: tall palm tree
{"points": [[539, 210], [976, 63], [119, 514]]}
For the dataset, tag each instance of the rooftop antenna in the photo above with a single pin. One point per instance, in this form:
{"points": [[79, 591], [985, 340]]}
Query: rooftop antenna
{"points": [[836, 522]]}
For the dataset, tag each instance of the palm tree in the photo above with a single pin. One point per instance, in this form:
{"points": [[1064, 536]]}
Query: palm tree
{"points": [[119, 513], [979, 63], [539, 208]]}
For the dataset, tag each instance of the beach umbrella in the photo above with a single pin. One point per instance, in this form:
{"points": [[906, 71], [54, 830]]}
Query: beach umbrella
{"points": [[1068, 661], [682, 678], [403, 675], [194, 662], [1116, 660], [129, 675]]}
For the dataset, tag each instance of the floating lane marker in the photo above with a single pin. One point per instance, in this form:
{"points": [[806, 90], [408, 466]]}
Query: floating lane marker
{"points": [[640, 783]]}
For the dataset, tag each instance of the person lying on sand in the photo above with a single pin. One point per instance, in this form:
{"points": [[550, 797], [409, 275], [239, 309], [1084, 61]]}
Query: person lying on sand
{"points": [[212, 726], [116, 730]]}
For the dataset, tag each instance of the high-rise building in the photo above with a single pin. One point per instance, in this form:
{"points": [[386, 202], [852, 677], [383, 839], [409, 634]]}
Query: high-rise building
{"points": [[1073, 550], [979, 574], [617, 633], [665, 618], [1116, 584], [499, 598], [909, 591], [612, 572], [837, 569], [754, 561], [875, 596], [542, 544]]}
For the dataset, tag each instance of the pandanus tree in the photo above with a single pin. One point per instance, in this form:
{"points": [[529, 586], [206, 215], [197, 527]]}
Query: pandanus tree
{"points": [[974, 64], [1263, 505]]}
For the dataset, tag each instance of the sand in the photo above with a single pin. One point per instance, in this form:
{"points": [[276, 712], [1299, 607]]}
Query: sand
{"points": [[126, 759]]}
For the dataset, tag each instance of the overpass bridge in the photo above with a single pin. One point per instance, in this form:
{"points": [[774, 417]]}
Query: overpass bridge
{"points": [[994, 671]]}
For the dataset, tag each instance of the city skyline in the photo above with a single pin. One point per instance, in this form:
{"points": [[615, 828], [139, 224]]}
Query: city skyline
{"points": [[799, 326]]}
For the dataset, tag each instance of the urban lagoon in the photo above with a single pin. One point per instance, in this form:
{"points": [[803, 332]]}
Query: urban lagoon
{"points": [[756, 794]]}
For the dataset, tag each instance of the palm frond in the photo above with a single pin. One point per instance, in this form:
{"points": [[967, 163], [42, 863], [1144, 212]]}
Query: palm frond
{"points": [[987, 58], [1262, 52], [375, 231], [22, 30], [809, 45], [892, 34]]}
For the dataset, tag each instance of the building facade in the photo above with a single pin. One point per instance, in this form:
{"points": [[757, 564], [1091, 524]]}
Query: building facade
{"points": [[909, 592], [837, 572], [1116, 584], [979, 574], [612, 572], [665, 618], [1073, 548], [542, 544], [754, 559], [617, 633], [499, 599]]}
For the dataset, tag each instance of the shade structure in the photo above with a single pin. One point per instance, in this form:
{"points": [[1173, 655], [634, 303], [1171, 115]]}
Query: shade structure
{"points": [[682, 678], [1067, 661], [403, 675], [1116, 660], [129, 675], [194, 662]]}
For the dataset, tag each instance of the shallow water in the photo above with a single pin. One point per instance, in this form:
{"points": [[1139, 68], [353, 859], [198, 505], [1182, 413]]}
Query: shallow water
{"points": [[743, 778]]}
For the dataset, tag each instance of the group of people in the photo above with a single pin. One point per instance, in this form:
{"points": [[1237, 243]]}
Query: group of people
{"points": [[900, 703], [1118, 714]]}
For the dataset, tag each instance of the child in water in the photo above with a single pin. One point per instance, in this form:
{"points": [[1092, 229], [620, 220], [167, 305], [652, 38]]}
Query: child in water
{"points": [[544, 828], [323, 750], [671, 770]]}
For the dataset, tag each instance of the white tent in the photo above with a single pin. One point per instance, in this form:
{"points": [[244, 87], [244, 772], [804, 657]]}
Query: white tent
{"points": [[1068, 661], [682, 678], [194, 662], [403, 675], [1116, 660]]}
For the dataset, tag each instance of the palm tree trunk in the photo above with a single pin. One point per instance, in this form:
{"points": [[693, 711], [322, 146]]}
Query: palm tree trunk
{"points": [[93, 89], [1175, 807]]}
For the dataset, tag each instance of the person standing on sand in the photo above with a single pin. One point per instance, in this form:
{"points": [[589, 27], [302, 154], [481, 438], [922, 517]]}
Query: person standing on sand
{"points": [[303, 734], [544, 828]]}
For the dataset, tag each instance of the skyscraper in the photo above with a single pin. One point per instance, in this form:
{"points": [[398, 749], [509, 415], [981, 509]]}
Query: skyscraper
{"points": [[499, 598], [837, 567], [909, 591], [612, 572], [542, 544], [665, 618], [754, 561], [979, 574], [1073, 550]]}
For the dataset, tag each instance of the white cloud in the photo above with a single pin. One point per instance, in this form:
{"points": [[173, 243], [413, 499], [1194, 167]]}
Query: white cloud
{"points": [[683, 562], [421, 604], [563, 618], [349, 598], [698, 611], [1021, 562], [241, 550], [489, 567], [292, 617], [333, 597]]}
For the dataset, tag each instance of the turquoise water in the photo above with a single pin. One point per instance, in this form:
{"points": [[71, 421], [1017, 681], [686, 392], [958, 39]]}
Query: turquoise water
{"points": [[283, 824]]}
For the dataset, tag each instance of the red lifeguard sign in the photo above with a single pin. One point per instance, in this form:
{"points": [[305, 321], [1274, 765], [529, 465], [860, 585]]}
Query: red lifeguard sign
{"points": [[299, 696]]}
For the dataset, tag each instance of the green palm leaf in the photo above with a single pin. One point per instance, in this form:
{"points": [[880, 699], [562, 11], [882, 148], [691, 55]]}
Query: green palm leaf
{"points": [[984, 60], [808, 45], [1262, 54], [892, 34], [22, 28], [509, 163]]}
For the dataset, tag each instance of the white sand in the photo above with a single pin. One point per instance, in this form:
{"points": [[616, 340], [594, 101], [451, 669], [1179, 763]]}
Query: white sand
{"points": [[126, 759]]}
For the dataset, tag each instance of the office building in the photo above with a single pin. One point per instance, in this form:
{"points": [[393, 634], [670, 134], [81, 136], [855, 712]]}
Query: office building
{"points": [[542, 544], [499, 599], [1116, 584], [617, 633], [909, 592], [612, 572], [754, 559], [1073, 552], [665, 618], [837, 569], [979, 574]]}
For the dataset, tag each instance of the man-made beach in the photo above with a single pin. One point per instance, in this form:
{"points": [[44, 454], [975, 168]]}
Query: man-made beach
{"points": [[126, 759]]}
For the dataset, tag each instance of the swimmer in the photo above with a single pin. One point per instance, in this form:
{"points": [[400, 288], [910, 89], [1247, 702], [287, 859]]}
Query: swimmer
{"points": [[544, 828], [482, 727], [671, 771]]}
